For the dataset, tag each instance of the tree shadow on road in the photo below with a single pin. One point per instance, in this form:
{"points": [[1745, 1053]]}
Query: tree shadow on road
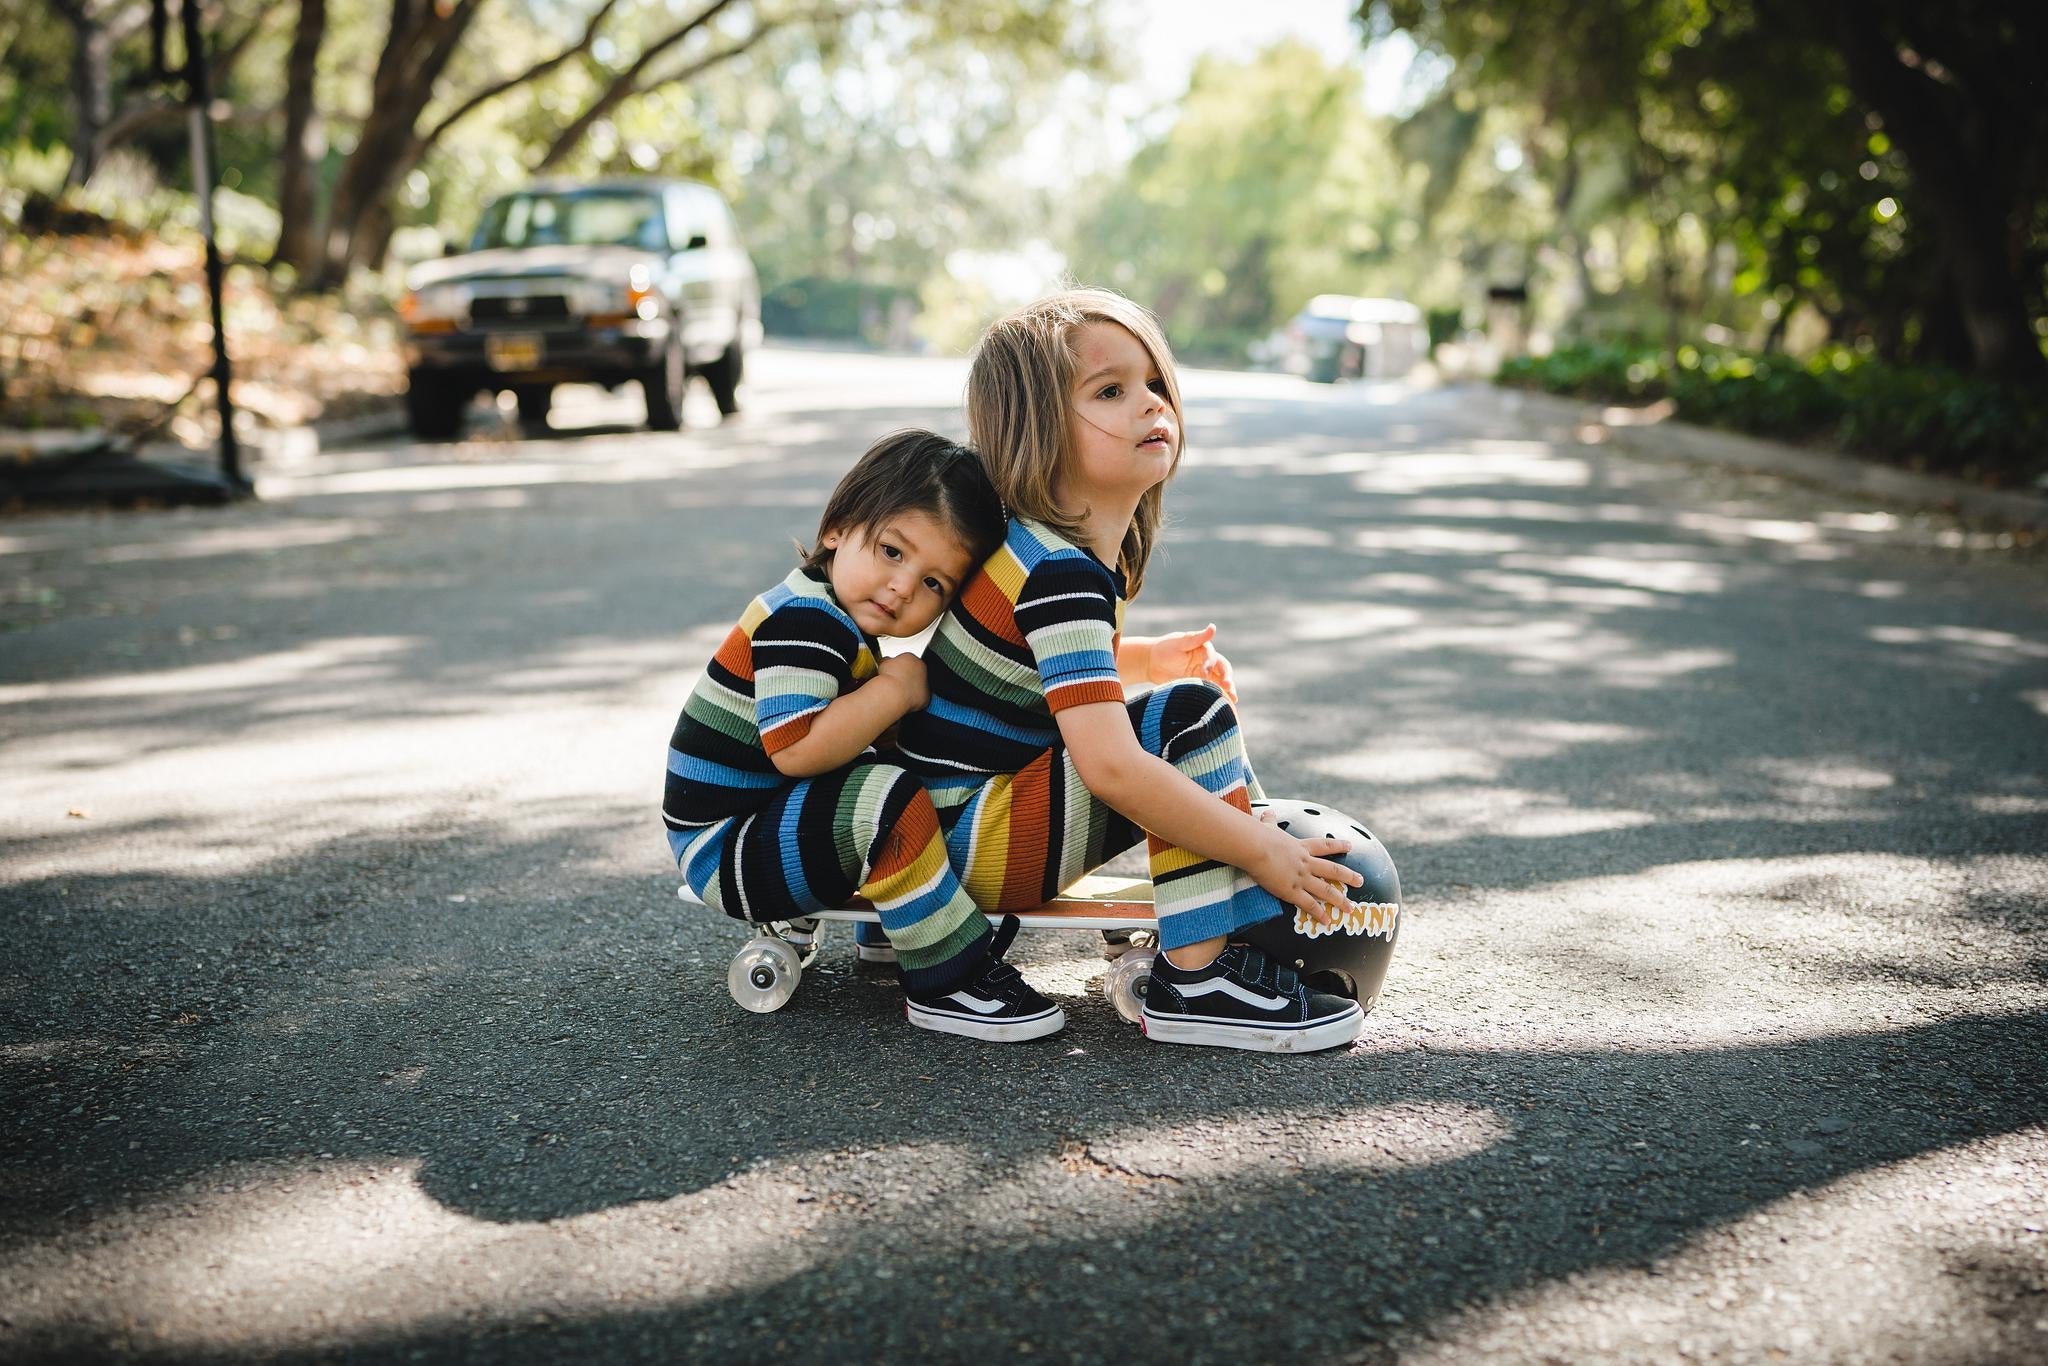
{"points": [[1572, 696]]}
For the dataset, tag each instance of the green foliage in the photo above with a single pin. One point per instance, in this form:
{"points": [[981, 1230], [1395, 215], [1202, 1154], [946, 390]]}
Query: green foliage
{"points": [[1925, 417], [1730, 160], [1271, 186], [812, 306]]}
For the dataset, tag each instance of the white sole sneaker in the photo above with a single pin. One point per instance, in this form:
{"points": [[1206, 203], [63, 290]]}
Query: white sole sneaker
{"points": [[1258, 1038], [1016, 1029]]}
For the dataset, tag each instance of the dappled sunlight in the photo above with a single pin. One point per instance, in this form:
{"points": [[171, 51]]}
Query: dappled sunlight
{"points": [[350, 976], [1513, 463], [1315, 622], [1523, 510], [1961, 642], [626, 463], [343, 661], [1745, 1288], [1429, 540], [1277, 537], [1722, 529], [1544, 590], [299, 1252], [1731, 951], [1818, 777], [197, 542], [1640, 569], [1396, 758], [296, 1251]]}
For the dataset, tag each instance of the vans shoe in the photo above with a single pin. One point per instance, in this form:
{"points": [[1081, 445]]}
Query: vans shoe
{"points": [[1245, 1000], [870, 945], [998, 1004]]}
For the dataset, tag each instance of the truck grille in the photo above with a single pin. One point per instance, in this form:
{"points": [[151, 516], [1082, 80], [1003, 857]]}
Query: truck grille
{"points": [[517, 308]]}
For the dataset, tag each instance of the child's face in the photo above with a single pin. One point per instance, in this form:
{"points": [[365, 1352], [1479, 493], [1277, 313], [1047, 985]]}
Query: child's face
{"points": [[895, 578], [1122, 436]]}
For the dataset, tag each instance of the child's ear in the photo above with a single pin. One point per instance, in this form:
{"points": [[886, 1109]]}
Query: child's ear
{"points": [[830, 540]]}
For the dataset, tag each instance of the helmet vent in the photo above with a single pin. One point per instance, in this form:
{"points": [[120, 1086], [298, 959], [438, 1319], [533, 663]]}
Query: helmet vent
{"points": [[1363, 831], [1310, 811], [1283, 825]]}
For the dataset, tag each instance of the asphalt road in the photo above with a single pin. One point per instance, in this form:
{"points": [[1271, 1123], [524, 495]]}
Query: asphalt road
{"points": [[347, 1011]]}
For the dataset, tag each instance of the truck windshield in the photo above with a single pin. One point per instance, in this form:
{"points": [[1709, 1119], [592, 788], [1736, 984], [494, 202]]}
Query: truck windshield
{"points": [[581, 218]]}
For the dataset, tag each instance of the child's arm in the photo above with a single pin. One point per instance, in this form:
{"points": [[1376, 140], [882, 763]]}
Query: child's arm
{"points": [[854, 720], [1178, 654], [1166, 802]]}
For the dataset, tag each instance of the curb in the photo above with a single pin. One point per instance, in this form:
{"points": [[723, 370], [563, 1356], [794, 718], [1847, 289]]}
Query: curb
{"points": [[291, 447], [1651, 432], [94, 467]]}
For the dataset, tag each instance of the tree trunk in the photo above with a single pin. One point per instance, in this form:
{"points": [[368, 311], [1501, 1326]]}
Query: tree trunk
{"points": [[296, 195], [92, 85], [1970, 202], [422, 39]]}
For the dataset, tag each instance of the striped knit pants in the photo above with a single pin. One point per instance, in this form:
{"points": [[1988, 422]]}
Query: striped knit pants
{"points": [[1022, 838], [864, 830]]}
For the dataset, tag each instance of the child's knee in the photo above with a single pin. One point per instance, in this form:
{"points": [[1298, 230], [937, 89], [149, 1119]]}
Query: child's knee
{"points": [[1191, 710]]}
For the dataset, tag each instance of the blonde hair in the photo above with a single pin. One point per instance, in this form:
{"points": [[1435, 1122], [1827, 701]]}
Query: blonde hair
{"points": [[1020, 399]]}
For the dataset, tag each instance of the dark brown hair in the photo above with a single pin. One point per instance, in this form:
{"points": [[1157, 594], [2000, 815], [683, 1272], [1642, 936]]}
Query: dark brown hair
{"points": [[914, 471]]}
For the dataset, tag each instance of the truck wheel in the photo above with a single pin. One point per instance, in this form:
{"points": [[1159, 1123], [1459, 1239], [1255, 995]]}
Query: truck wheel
{"points": [[723, 375], [663, 386], [434, 406], [534, 400]]}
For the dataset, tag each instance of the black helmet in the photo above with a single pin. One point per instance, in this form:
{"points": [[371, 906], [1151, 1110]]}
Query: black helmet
{"points": [[1350, 959]]}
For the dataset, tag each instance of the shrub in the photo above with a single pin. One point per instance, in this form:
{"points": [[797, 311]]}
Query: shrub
{"points": [[1925, 418]]}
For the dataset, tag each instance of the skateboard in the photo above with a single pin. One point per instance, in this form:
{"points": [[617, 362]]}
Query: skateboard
{"points": [[765, 972]]}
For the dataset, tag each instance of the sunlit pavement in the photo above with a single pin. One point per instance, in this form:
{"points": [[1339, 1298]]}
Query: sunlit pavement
{"points": [[348, 1011]]}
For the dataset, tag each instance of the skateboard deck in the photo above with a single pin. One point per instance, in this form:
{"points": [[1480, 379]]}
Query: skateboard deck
{"points": [[1096, 902]]}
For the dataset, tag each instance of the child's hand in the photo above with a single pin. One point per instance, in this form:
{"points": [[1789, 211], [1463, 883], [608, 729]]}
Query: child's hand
{"points": [[1300, 873], [908, 673], [1192, 654]]}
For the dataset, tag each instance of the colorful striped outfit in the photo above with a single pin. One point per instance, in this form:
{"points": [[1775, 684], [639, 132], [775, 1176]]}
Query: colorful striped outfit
{"points": [[761, 846], [1033, 633]]}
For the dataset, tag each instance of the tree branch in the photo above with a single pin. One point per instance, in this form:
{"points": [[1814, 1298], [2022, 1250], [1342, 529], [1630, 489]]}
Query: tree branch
{"points": [[625, 85], [532, 73], [712, 59]]}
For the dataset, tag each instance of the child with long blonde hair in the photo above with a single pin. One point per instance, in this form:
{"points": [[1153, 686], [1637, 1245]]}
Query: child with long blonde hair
{"points": [[1038, 766]]}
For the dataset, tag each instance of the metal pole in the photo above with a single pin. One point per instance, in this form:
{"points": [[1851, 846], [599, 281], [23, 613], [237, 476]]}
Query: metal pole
{"points": [[199, 99]]}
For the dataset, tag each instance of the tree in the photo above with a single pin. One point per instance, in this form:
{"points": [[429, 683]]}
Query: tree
{"points": [[1272, 185], [1852, 151]]}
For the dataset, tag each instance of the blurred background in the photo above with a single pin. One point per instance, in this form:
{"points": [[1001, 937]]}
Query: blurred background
{"points": [[1823, 221]]}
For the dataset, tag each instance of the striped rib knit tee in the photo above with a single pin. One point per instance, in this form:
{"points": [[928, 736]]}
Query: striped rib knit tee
{"points": [[793, 651], [1034, 632]]}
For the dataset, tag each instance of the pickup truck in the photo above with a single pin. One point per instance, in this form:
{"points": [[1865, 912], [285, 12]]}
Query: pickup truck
{"points": [[611, 282]]}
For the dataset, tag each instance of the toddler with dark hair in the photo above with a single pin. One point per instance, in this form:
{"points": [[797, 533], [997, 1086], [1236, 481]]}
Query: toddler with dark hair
{"points": [[777, 803]]}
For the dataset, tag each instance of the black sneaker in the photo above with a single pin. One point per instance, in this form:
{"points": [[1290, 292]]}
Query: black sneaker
{"points": [[997, 1004], [1245, 1000]]}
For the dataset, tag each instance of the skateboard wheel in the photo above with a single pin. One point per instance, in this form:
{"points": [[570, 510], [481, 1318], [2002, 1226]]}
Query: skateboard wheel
{"points": [[763, 975], [1125, 984]]}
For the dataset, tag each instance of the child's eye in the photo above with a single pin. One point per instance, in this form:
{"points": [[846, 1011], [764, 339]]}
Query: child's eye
{"points": [[936, 587], [891, 551], [1157, 386], [1112, 391]]}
